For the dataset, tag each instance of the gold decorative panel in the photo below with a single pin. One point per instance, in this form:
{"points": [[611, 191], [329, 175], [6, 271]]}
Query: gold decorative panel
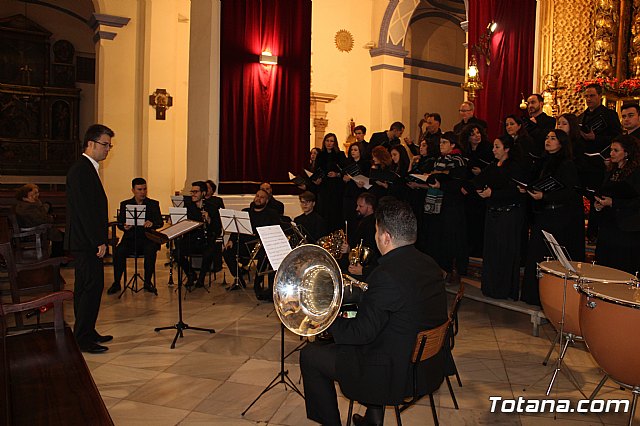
{"points": [[573, 34]]}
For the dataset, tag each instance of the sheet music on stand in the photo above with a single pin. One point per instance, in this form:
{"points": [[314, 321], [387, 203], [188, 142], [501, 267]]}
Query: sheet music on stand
{"points": [[559, 251], [230, 218], [177, 214], [275, 244], [177, 200], [135, 214]]}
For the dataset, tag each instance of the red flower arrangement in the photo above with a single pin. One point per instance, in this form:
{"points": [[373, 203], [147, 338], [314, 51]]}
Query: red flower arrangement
{"points": [[630, 86], [606, 83]]}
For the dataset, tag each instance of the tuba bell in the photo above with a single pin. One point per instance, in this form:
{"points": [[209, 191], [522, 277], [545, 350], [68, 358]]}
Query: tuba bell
{"points": [[308, 289]]}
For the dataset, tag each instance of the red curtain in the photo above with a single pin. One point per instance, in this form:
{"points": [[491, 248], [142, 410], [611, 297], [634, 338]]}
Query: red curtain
{"points": [[264, 109], [511, 70]]}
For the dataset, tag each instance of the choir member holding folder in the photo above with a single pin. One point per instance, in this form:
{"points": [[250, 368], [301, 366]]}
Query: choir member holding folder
{"points": [[557, 209], [503, 221], [618, 204], [355, 166], [330, 186]]}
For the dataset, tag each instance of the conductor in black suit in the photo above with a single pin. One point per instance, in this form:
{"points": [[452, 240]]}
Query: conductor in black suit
{"points": [[86, 235], [134, 238], [371, 356]]}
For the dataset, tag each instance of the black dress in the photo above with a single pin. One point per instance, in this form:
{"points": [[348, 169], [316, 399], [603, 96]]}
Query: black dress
{"points": [[475, 206], [352, 191], [447, 230], [559, 213], [330, 190], [416, 196], [503, 223], [619, 237]]}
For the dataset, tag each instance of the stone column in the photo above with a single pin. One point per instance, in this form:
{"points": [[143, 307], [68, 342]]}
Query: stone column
{"points": [[387, 85], [319, 115], [202, 156]]}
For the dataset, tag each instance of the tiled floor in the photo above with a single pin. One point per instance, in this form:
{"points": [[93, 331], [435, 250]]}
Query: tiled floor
{"points": [[211, 378]]}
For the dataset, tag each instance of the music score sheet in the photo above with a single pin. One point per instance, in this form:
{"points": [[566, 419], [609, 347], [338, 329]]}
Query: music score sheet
{"points": [[275, 244]]}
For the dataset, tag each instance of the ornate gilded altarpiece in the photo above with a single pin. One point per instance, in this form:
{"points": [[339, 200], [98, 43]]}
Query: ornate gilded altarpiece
{"points": [[580, 40], [38, 101]]}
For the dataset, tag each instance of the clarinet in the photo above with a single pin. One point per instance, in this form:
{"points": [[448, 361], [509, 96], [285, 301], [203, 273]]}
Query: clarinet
{"points": [[202, 212]]}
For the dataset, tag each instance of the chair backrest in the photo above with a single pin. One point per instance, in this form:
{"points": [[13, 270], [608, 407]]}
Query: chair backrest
{"points": [[13, 221], [5, 402], [453, 314], [34, 278], [429, 342]]}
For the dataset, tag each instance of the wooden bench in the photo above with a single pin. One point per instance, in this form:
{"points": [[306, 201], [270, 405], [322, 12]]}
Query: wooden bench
{"points": [[44, 379]]}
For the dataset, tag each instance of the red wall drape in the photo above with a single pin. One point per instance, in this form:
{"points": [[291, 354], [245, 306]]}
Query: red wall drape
{"points": [[264, 109], [511, 69]]}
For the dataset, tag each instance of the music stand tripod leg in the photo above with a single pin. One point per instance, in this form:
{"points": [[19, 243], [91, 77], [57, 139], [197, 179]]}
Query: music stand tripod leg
{"points": [[181, 325], [132, 284], [281, 377]]}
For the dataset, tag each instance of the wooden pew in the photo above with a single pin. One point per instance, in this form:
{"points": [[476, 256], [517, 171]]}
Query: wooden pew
{"points": [[43, 376]]}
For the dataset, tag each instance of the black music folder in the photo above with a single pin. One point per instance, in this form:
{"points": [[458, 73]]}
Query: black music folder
{"points": [[545, 184]]}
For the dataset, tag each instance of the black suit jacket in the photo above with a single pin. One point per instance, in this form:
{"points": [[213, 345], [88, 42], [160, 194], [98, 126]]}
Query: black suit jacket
{"points": [[152, 214], [87, 211], [406, 295], [457, 129]]}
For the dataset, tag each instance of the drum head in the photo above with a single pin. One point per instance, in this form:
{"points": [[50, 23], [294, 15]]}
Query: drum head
{"points": [[621, 294], [588, 272]]}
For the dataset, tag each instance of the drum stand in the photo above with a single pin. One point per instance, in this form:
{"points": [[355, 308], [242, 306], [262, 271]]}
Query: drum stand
{"points": [[563, 257], [281, 377]]}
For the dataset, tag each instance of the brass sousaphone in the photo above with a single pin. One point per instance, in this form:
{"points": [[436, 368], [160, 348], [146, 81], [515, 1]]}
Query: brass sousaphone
{"points": [[308, 290]]}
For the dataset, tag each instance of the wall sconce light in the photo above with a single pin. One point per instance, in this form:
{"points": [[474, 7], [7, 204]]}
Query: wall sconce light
{"points": [[266, 58], [473, 83], [483, 47]]}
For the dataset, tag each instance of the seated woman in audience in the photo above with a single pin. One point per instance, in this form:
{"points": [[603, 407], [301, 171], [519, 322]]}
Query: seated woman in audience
{"points": [[330, 186], [477, 150], [445, 219], [352, 190], [30, 212], [558, 211], [421, 165], [503, 223], [618, 203], [380, 175]]}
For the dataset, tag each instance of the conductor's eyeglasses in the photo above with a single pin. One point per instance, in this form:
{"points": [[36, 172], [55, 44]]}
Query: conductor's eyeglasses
{"points": [[105, 144]]}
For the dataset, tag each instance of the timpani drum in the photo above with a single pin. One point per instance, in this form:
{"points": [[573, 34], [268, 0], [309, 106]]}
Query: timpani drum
{"points": [[551, 285], [609, 315]]}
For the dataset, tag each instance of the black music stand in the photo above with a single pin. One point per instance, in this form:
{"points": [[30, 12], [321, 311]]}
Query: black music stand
{"points": [[136, 214], [178, 231], [281, 377], [237, 222]]}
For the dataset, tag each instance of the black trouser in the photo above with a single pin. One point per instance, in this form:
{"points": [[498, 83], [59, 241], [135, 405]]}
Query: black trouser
{"points": [[89, 283], [143, 246], [318, 367], [188, 246]]}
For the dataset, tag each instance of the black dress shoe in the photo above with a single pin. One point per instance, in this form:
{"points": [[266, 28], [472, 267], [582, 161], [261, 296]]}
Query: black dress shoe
{"points": [[103, 339], [359, 420], [114, 288], [93, 348]]}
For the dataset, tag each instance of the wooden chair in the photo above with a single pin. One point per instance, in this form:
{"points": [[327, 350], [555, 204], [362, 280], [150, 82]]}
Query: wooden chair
{"points": [[453, 316], [429, 343], [43, 375], [31, 243], [30, 278]]}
